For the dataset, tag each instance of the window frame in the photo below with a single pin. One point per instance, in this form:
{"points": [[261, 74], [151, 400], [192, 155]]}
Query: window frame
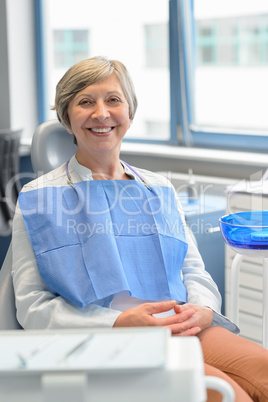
{"points": [[41, 78], [181, 59]]}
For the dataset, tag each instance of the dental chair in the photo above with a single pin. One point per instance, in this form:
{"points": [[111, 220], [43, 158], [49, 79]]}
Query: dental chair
{"points": [[51, 147]]}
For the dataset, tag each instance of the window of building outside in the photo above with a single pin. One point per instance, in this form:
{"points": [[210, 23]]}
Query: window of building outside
{"points": [[241, 41], [70, 46], [231, 65], [125, 30]]}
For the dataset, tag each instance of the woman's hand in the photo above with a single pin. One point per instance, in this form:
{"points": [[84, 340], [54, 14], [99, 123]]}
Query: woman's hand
{"points": [[201, 319], [188, 320], [142, 315]]}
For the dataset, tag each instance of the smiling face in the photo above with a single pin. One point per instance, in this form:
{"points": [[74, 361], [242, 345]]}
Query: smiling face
{"points": [[99, 118]]}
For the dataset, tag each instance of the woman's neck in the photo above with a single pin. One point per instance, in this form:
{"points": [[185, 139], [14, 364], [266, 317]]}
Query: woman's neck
{"points": [[104, 169]]}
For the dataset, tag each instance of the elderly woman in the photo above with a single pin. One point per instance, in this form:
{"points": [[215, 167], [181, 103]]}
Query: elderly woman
{"points": [[99, 243]]}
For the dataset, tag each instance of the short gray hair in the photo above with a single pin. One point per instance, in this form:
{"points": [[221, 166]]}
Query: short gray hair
{"points": [[88, 72]]}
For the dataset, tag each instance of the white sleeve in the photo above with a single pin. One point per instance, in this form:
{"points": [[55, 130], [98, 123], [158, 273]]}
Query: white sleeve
{"points": [[201, 289], [37, 306]]}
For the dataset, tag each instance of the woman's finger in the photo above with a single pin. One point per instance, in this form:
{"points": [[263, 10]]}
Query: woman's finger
{"points": [[176, 318], [185, 325], [189, 332], [159, 307]]}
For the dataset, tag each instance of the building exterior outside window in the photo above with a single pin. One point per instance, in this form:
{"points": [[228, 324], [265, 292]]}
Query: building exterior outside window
{"points": [[231, 66], [70, 46], [241, 41]]}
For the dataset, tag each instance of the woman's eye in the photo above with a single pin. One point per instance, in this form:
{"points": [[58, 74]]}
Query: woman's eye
{"points": [[114, 100], [85, 102]]}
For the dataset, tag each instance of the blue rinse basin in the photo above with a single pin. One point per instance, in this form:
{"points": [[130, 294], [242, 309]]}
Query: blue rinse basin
{"points": [[246, 231]]}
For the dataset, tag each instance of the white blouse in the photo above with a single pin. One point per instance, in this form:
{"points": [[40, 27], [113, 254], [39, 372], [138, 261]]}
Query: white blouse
{"points": [[39, 308]]}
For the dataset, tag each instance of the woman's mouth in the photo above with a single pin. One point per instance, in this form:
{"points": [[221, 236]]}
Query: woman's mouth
{"points": [[100, 130]]}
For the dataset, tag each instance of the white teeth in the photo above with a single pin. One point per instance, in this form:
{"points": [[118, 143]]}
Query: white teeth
{"points": [[101, 130]]}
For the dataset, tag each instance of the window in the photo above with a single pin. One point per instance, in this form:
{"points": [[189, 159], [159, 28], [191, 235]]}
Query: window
{"points": [[70, 46], [206, 40], [156, 45], [200, 67], [231, 73], [241, 41], [134, 35], [155, 128]]}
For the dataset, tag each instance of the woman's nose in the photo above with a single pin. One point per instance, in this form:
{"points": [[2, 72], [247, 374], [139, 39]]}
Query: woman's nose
{"points": [[100, 111]]}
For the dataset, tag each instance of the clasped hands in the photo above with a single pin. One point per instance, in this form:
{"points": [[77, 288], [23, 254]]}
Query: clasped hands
{"points": [[188, 320]]}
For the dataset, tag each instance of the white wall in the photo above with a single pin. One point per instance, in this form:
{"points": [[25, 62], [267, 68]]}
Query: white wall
{"points": [[4, 73], [18, 102]]}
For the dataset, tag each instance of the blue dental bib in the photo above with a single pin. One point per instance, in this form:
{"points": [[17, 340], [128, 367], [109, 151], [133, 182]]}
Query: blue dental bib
{"points": [[97, 238]]}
